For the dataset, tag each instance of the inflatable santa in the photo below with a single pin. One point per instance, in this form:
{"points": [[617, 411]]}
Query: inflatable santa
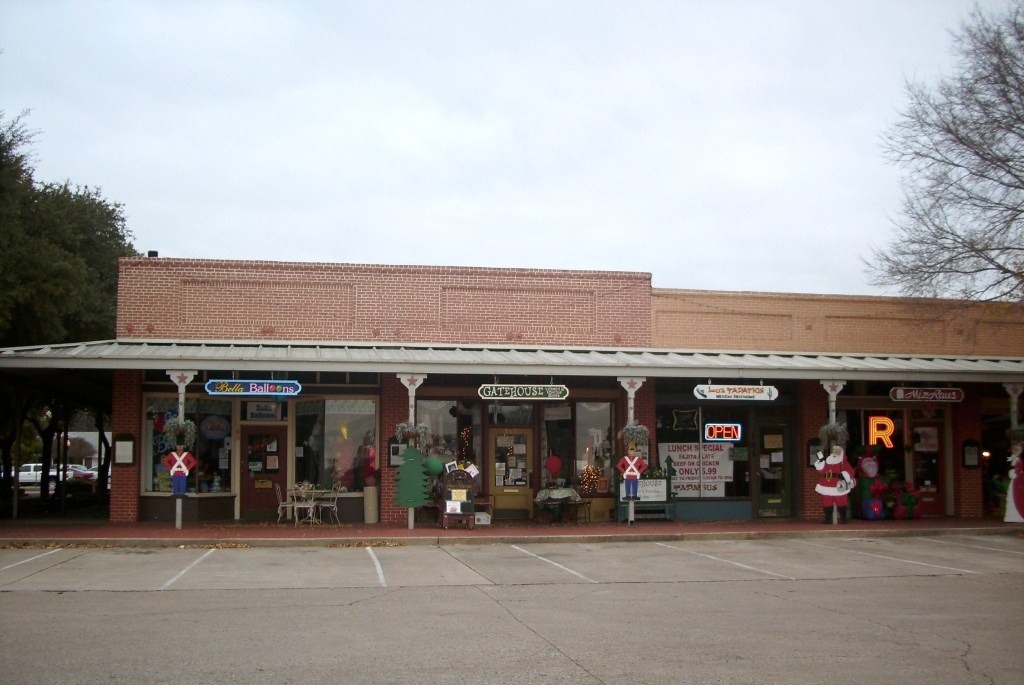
{"points": [[834, 483]]}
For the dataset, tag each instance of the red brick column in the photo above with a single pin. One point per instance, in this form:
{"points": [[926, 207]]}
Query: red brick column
{"points": [[394, 408], [968, 489], [126, 418], [645, 414], [812, 414]]}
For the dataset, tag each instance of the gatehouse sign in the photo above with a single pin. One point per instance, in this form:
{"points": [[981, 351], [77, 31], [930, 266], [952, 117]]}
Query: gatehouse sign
{"points": [[258, 388], [735, 392], [497, 391], [926, 395]]}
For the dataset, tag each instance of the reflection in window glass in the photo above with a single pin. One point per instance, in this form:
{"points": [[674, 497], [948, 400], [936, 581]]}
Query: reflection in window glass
{"points": [[556, 440], [337, 443], [594, 440], [454, 432], [212, 417]]}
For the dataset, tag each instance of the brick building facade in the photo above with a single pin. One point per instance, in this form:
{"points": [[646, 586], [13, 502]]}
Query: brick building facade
{"points": [[346, 333]]}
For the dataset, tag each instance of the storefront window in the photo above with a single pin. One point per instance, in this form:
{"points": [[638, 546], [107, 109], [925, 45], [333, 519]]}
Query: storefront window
{"points": [[556, 441], [594, 441], [889, 426], [454, 430], [212, 450], [703, 469], [337, 443]]}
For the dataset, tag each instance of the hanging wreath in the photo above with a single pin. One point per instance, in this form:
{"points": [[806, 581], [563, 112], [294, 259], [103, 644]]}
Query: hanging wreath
{"points": [[180, 432]]}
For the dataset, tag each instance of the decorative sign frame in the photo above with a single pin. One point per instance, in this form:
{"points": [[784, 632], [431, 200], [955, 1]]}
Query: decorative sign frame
{"points": [[498, 391], [757, 393]]}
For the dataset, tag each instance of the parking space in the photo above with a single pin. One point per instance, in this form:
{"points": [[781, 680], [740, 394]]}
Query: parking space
{"points": [[129, 569]]}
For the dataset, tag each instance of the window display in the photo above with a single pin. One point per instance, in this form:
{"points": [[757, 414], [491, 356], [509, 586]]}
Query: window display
{"points": [[594, 441], [212, 449], [337, 443]]}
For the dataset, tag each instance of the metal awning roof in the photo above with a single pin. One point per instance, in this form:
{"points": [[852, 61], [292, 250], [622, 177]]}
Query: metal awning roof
{"points": [[505, 360]]}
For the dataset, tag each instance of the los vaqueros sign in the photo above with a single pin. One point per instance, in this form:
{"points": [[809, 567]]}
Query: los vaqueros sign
{"points": [[926, 395], [260, 388], [735, 392], [495, 391]]}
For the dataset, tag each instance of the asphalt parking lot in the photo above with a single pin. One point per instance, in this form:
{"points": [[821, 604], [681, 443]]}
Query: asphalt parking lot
{"points": [[943, 609]]}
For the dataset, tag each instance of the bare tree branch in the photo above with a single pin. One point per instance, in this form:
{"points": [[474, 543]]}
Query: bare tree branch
{"points": [[961, 143]]}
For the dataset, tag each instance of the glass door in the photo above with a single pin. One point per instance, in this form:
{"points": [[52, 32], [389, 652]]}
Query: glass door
{"points": [[927, 468], [772, 472], [511, 467], [264, 465]]}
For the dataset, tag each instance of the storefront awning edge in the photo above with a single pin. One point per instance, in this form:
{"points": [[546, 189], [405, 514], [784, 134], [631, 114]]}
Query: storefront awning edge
{"points": [[511, 360]]}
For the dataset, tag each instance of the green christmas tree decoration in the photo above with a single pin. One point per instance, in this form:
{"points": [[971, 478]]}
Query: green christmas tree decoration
{"points": [[411, 485]]}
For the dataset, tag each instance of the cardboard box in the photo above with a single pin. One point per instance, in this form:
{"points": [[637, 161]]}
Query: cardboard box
{"points": [[483, 518]]}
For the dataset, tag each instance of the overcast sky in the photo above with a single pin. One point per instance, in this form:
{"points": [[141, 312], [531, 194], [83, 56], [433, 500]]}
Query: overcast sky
{"points": [[723, 145]]}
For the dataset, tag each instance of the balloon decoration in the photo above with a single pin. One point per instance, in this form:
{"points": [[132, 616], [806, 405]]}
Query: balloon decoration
{"points": [[434, 466], [553, 464]]}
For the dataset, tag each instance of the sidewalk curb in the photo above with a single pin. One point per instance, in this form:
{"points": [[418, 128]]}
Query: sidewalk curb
{"points": [[451, 540]]}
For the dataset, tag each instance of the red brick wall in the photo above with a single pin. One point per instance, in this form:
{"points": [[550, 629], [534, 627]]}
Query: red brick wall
{"points": [[394, 408], [693, 319], [968, 500], [126, 418], [812, 414], [249, 300]]}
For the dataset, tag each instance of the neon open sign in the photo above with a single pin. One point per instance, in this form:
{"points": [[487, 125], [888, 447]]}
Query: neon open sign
{"points": [[721, 432]]}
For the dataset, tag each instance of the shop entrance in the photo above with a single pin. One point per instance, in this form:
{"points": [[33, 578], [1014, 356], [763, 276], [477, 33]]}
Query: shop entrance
{"points": [[511, 456], [771, 466], [927, 466], [264, 464]]}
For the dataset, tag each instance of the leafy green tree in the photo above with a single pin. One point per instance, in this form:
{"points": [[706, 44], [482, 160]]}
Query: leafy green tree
{"points": [[961, 142], [59, 248]]}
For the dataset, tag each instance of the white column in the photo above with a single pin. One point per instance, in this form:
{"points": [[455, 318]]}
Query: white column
{"points": [[181, 379], [1014, 389], [630, 384], [412, 381], [833, 388]]}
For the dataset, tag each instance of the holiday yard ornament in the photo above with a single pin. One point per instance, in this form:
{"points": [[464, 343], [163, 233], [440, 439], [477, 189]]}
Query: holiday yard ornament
{"points": [[1015, 492], [835, 482], [412, 487], [631, 467], [179, 462]]}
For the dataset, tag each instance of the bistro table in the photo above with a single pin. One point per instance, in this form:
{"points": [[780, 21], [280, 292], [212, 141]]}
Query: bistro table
{"points": [[304, 498], [553, 499]]}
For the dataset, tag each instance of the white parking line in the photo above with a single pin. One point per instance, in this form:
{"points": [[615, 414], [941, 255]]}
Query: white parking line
{"points": [[726, 561], [882, 556], [188, 568], [376, 564], [961, 544], [25, 561], [554, 563]]}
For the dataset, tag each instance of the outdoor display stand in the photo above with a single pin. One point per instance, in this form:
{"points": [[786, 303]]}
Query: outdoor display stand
{"points": [[655, 500], [458, 499]]}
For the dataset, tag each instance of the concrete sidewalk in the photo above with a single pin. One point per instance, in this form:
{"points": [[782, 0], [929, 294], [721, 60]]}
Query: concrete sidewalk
{"points": [[84, 531]]}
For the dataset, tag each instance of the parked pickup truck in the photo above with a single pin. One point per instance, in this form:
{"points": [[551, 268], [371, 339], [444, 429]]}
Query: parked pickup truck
{"points": [[32, 474]]}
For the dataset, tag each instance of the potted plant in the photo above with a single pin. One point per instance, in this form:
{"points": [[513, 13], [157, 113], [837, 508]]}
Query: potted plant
{"points": [[411, 432], [635, 434], [833, 434]]}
